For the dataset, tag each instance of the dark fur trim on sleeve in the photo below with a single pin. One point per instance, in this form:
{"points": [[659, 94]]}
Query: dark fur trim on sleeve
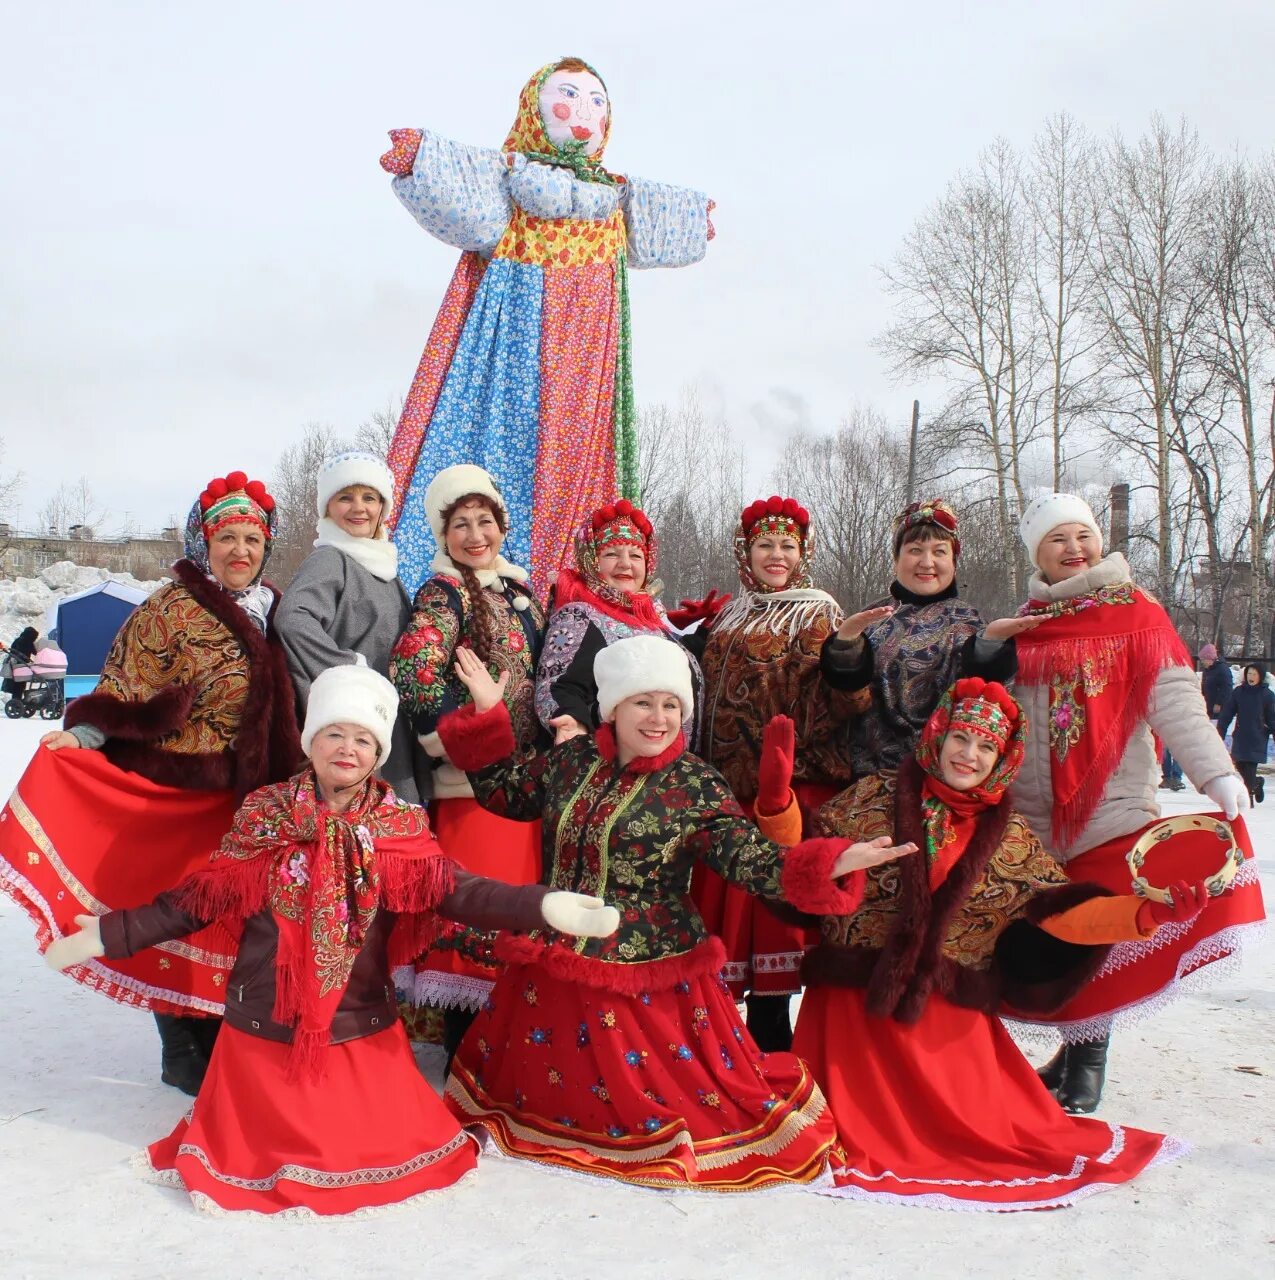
{"points": [[1037, 973], [165, 712], [807, 880], [202, 771], [473, 741]]}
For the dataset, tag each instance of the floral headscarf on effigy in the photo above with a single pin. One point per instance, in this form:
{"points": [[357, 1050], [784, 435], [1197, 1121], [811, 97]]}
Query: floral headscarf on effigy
{"points": [[534, 136], [613, 525], [234, 499], [988, 710]]}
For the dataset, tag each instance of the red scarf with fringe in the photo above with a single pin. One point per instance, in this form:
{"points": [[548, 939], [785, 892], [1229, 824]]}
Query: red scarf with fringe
{"points": [[1100, 655], [323, 876], [637, 608]]}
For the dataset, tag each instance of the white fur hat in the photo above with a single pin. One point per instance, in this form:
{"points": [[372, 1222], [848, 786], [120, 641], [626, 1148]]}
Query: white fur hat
{"points": [[1048, 512], [355, 467], [642, 664], [353, 694], [453, 483]]}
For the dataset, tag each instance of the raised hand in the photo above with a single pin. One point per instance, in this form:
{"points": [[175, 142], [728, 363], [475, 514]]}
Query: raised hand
{"points": [[857, 623], [774, 771], [474, 675], [869, 853]]}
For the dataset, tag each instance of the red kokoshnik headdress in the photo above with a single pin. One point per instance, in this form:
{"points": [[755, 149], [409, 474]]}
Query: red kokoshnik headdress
{"points": [[774, 517], [615, 524], [989, 710]]}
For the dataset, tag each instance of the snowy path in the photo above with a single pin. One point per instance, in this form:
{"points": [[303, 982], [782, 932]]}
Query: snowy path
{"points": [[79, 1093]]}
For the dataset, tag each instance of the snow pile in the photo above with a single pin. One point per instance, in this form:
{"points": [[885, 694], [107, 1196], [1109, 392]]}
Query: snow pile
{"points": [[27, 602]]}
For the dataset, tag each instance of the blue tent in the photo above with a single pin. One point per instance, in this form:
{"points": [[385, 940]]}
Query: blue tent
{"points": [[87, 622]]}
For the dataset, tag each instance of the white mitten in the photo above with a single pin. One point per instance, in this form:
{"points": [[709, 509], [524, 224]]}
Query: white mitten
{"points": [[76, 948], [1228, 793], [579, 913]]}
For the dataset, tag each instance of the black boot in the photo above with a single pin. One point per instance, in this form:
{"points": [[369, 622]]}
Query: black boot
{"points": [[455, 1023], [1054, 1071], [204, 1031], [768, 1022], [1081, 1089], [183, 1062]]}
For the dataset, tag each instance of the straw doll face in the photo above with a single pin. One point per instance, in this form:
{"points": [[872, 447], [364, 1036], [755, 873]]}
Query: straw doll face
{"points": [[574, 108]]}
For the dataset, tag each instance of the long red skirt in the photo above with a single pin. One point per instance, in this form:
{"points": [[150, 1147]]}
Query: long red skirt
{"points": [[82, 837], [947, 1113], [663, 1089], [370, 1133], [451, 974], [763, 953], [1139, 978]]}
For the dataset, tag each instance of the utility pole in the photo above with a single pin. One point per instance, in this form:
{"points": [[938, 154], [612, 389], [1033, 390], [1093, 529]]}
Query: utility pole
{"points": [[916, 427]]}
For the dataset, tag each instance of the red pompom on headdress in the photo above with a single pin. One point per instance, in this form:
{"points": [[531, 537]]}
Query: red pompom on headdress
{"points": [[231, 498], [619, 523], [785, 516]]}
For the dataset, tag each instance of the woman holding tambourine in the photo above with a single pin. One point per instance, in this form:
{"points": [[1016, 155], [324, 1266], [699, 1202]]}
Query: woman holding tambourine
{"points": [[1101, 679]]}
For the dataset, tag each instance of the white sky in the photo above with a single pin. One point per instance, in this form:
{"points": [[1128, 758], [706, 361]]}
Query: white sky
{"points": [[199, 252]]}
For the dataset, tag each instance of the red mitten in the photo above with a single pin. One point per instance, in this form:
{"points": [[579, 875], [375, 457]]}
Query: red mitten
{"points": [[402, 156], [704, 610], [774, 773], [1188, 901]]}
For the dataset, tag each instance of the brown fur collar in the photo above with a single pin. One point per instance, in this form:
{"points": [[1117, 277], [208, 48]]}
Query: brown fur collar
{"points": [[1031, 971]]}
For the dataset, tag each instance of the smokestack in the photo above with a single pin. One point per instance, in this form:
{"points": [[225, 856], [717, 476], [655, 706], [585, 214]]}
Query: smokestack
{"points": [[1119, 540]]}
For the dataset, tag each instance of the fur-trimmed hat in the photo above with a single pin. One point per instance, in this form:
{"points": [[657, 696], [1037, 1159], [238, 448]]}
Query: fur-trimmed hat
{"points": [[355, 466], [1048, 512], [642, 664], [353, 694], [453, 483]]}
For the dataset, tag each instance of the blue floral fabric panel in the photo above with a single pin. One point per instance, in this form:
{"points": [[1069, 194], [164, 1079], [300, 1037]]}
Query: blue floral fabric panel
{"points": [[458, 193], [549, 191], [488, 413], [667, 225]]}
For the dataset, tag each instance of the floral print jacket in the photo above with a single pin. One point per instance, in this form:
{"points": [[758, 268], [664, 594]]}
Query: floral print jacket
{"points": [[630, 835]]}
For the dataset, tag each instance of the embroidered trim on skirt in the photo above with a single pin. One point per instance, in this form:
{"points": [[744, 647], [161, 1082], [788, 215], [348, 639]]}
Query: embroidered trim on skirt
{"points": [[663, 1089], [947, 1113], [370, 1133], [1140, 978]]}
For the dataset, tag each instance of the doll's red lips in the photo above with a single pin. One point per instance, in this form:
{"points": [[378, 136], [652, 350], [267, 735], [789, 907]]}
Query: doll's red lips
{"points": [[581, 131]]}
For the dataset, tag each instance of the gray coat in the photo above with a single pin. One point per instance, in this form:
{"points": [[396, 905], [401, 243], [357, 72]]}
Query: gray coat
{"points": [[333, 609]]}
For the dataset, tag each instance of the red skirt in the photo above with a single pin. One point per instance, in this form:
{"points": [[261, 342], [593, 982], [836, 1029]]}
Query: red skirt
{"points": [[1139, 978], [948, 1114], [662, 1089], [82, 837], [763, 953], [457, 972], [370, 1133]]}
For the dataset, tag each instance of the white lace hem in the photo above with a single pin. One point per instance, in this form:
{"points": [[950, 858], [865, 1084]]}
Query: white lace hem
{"points": [[442, 990]]}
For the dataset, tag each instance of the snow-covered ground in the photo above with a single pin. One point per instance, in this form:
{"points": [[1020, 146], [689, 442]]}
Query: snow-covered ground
{"points": [[80, 1092]]}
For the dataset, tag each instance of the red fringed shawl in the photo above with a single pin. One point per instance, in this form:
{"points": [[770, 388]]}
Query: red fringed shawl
{"points": [[636, 608], [1100, 656], [323, 876]]}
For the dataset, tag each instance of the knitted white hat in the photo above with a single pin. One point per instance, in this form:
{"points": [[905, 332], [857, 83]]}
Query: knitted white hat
{"points": [[453, 483], [1048, 512], [355, 467], [353, 694], [642, 664]]}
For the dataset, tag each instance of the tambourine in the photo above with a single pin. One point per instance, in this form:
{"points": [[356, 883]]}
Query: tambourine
{"points": [[1216, 884]]}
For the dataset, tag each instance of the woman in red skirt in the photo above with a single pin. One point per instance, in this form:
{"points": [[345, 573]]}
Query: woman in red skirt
{"points": [[474, 599], [312, 1103], [1101, 677], [625, 1058], [934, 1103]]}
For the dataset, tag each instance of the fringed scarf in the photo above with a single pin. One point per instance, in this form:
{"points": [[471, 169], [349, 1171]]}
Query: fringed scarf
{"points": [[949, 816], [1100, 652], [323, 876]]}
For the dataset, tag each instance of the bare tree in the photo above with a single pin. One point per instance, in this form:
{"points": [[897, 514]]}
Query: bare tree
{"points": [[376, 432], [293, 487]]}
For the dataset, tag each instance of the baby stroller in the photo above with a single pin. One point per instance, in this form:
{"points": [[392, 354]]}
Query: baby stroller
{"points": [[36, 683]]}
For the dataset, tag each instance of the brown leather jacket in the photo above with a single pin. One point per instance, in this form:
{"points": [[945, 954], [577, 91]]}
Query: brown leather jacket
{"points": [[368, 1005]]}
